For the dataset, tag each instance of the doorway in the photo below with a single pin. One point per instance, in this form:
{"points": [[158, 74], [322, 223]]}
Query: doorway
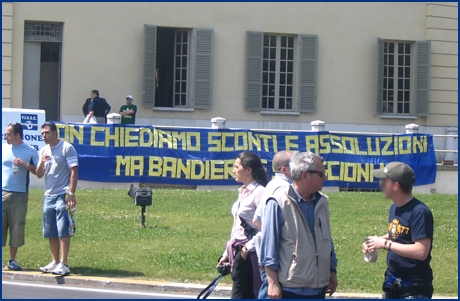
{"points": [[42, 68]]}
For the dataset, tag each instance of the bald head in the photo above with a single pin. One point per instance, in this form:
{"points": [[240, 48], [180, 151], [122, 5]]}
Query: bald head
{"points": [[280, 160]]}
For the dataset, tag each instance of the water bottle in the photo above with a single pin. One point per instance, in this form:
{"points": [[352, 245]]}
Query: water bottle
{"points": [[368, 257], [15, 169], [71, 215]]}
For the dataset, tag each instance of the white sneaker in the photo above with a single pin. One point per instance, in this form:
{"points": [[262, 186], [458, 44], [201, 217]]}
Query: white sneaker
{"points": [[48, 268], [61, 269]]}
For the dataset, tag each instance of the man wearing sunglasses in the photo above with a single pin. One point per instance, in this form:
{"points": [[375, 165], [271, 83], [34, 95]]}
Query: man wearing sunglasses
{"points": [[409, 237], [128, 111], [18, 160], [296, 249]]}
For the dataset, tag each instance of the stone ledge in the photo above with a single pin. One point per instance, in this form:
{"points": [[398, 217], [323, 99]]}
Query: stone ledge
{"points": [[440, 167]]}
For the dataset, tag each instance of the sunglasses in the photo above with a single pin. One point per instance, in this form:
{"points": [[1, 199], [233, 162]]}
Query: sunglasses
{"points": [[321, 174]]}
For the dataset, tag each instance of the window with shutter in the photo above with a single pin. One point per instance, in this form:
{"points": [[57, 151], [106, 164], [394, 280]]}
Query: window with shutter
{"points": [[397, 83], [423, 78], [403, 78], [380, 45], [254, 70], [149, 82], [308, 73], [276, 82], [203, 67]]}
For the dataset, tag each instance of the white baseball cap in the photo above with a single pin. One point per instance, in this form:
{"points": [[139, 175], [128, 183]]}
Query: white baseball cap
{"points": [[129, 96]]}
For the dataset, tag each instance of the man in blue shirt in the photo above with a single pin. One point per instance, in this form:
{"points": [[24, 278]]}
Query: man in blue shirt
{"points": [[409, 239], [18, 160], [97, 106], [297, 250], [282, 180]]}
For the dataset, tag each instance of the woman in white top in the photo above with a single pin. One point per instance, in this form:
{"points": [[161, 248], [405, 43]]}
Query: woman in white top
{"points": [[240, 252]]}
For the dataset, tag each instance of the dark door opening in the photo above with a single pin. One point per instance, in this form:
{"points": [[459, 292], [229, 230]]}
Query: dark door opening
{"points": [[50, 65], [172, 67]]}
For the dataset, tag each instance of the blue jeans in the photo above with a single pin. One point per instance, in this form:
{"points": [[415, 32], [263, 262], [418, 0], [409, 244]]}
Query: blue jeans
{"points": [[263, 292], [291, 295], [55, 217]]}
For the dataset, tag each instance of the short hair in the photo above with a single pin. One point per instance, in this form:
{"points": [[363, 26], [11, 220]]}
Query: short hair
{"points": [[407, 189], [17, 128], [281, 159], [51, 124], [301, 162], [95, 92]]}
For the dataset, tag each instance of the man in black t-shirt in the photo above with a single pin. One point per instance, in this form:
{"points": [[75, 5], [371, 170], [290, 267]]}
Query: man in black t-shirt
{"points": [[409, 238]]}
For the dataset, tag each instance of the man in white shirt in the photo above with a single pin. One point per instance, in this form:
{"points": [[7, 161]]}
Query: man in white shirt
{"points": [[59, 166]]}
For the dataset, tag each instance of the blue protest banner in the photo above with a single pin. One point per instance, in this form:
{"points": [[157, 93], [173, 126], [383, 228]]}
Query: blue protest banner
{"points": [[203, 156]]}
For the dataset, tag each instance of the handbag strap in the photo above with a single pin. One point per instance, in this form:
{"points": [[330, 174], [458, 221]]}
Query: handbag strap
{"points": [[210, 288]]}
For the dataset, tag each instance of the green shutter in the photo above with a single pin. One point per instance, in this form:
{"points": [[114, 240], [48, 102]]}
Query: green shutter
{"points": [[422, 93], [204, 39], [308, 72], [254, 48], [379, 96], [150, 48]]}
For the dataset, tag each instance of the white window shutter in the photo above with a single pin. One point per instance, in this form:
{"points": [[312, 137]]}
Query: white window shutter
{"points": [[308, 73], [423, 62], [150, 48], [379, 96], [254, 54], [204, 48]]}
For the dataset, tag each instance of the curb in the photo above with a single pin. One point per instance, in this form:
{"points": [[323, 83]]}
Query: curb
{"points": [[151, 286], [115, 283]]}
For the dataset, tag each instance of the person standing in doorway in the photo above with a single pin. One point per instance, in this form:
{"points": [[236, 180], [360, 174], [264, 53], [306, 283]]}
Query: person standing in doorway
{"points": [[59, 165], [409, 237], [97, 107], [18, 160], [128, 111]]}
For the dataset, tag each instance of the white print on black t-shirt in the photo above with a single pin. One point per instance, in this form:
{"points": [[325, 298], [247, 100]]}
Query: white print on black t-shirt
{"points": [[395, 229]]}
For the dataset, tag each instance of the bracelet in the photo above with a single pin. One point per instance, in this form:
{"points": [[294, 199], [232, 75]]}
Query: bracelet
{"points": [[333, 271], [389, 246], [385, 245], [27, 164]]}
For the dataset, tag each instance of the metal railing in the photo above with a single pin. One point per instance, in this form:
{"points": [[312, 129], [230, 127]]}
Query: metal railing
{"points": [[445, 150]]}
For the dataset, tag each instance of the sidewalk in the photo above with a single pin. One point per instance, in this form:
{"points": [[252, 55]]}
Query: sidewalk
{"points": [[150, 286]]}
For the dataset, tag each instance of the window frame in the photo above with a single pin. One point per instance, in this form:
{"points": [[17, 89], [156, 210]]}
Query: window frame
{"points": [[305, 74], [188, 80], [412, 78], [420, 80], [277, 83]]}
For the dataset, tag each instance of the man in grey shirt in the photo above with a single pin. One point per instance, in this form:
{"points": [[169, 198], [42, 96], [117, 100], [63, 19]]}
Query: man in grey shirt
{"points": [[59, 165]]}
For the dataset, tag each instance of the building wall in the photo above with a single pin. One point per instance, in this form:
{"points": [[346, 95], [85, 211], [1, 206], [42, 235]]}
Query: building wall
{"points": [[442, 30], [7, 52], [103, 49]]}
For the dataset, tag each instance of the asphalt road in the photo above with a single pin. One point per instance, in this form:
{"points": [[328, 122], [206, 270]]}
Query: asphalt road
{"points": [[27, 290]]}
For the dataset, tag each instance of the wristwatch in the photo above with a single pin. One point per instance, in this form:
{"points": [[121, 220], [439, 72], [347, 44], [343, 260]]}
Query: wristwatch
{"points": [[71, 194]]}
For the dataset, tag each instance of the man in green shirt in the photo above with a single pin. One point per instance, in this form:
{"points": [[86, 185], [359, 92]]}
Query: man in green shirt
{"points": [[128, 112]]}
